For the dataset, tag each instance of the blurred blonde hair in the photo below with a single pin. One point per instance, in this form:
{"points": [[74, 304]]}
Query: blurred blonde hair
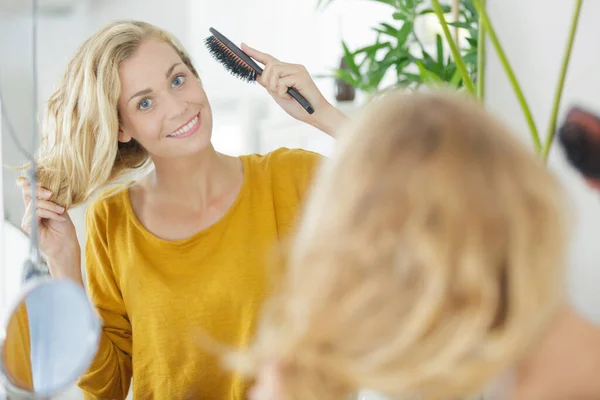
{"points": [[429, 258], [80, 152]]}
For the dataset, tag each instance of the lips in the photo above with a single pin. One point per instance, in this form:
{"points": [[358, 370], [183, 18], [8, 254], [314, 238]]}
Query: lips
{"points": [[187, 129]]}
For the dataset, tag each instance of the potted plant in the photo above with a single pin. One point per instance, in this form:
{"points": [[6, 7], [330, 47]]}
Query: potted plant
{"points": [[464, 68]]}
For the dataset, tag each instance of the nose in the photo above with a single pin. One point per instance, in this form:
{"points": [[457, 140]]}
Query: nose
{"points": [[177, 106]]}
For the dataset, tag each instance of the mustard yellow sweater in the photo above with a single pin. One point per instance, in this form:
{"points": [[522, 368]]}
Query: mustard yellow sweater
{"points": [[16, 355], [154, 296]]}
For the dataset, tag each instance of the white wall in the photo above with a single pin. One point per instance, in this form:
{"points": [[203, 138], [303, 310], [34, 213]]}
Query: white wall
{"points": [[534, 34]]}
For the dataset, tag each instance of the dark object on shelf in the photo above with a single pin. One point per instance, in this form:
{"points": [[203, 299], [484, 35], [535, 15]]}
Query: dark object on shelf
{"points": [[343, 90]]}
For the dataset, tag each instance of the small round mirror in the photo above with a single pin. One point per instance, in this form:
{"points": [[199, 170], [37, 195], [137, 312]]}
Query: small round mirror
{"points": [[50, 339]]}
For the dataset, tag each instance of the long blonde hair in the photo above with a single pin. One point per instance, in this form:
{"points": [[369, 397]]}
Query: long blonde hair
{"points": [[80, 152], [429, 257]]}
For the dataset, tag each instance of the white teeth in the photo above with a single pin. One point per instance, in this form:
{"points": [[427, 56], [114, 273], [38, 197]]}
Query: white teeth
{"points": [[185, 128]]}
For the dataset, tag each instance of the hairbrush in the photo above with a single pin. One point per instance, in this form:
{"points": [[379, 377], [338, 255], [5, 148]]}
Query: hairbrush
{"points": [[579, 136], [241, 65]]}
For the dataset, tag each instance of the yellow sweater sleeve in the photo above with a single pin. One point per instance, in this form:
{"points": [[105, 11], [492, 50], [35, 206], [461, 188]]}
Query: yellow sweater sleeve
{"points": [[16, 357], [109, 376], [293, 173]]}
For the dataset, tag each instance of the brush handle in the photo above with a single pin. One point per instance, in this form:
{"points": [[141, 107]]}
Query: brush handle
{"points": [[300, 99], [291, 91], [246, 58]]}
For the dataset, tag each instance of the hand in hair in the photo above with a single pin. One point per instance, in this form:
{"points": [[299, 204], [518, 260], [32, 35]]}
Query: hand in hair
{"points": [[278, 76], [57, 236]]}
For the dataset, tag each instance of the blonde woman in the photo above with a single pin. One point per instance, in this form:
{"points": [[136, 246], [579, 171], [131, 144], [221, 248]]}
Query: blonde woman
{"points": [[428, 261], [182, 249]]}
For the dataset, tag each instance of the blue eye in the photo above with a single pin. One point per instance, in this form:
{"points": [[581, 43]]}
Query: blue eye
{"points": [[144, 104], [178, 81]]}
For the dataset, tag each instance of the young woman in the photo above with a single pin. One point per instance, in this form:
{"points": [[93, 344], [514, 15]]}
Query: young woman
{"points": [[182, 249]]}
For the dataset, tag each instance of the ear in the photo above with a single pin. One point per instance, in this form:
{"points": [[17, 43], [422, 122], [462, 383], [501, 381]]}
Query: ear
{"points": [[123, 136]]}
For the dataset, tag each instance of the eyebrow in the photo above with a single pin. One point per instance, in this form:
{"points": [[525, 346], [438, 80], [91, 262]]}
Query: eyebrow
{"points": [[147, 91], [170, 70]]}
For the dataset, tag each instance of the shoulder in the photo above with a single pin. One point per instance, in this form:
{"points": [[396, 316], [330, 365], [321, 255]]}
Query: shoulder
{"points": [[107, 204], [287, 174], [288, 163]]}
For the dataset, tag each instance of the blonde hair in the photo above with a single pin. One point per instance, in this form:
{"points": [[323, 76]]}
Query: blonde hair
{"points": [[80, 152], [429, 257]]}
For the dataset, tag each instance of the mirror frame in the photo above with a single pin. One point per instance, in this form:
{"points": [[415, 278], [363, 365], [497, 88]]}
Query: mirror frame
{"points": [[28, 287]]}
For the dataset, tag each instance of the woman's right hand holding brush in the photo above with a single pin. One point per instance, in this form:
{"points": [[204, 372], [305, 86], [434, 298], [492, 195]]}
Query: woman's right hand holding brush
{"points": [[278, 76]]}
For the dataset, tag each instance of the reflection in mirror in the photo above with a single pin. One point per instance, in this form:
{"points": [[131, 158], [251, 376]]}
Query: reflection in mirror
{"points": [[51, 337]]}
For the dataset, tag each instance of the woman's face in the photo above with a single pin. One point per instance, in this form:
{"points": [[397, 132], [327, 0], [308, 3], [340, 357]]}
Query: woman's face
{"points": [[162, 105]]}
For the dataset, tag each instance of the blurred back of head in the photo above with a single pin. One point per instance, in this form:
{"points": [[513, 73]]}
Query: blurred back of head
{"points": [[428, 259]]}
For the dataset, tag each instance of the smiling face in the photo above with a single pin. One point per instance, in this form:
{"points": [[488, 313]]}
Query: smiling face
{"points": [[162, 105]]}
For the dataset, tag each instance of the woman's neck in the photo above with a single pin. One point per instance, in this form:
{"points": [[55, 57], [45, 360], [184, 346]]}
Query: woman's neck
{"points": [[564, 365], [197, 178]]}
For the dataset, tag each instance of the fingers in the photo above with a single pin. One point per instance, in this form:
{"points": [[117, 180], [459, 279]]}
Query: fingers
{"points": [[44, 210], [274, 73], [285, 84], [49, 206], [277, 76], [47, 214], [273, 70], [259, 56], [42, 193]]}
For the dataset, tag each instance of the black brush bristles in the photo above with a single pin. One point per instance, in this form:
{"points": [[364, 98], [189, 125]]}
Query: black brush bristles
{"points": [[232, 63]]}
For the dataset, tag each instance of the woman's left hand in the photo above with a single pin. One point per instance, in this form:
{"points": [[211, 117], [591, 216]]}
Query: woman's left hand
{"points": [[278, 76]]}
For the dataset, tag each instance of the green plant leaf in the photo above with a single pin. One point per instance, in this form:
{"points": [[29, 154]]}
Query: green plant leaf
{"points": [[456, 78], [470, 58], [428, 76], [372, 48], [430, 63], [375, 79], [413, 77], [404, 32], [387, 29], [323, 3], [460, 24], [402, 64], [473, 41], [388, 2], [446, 9], [349, 58], [440, 50], [427, 58], [453, 47], [345, 76], [402, 82], [469, 8], [379, 67], [400, 16], [491, 33], [367, 66]]}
